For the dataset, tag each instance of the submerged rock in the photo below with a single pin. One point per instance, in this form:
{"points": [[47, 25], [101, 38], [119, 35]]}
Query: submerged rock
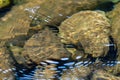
{"points": [[90, 28], [32, 13], [16, 22], [6, 66], [46, 72], [103, 75], [115, 12], [42, 46], [114, 16], [80, 73], [57, 11], [45, 45]]}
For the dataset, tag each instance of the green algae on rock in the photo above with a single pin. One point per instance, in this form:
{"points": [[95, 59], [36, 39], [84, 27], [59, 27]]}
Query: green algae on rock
{"points": [[4, 3], [90, 28]]}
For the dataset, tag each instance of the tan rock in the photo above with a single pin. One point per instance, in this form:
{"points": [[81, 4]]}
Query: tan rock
{"points": [[76, 74], [102, 75], [6, 67], [42, 46], [90, 28]]}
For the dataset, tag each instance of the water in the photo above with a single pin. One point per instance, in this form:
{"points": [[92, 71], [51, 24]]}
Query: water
{"points": [[62, 66], [64, 63]]}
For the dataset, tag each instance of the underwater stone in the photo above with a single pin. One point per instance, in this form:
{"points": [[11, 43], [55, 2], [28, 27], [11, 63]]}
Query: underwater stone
{"points": [[44, 45], [34, 12], [48, 72], [103, 75], [114, 16], [6, 65], [57, 11], [90, 28], [17, 21], [80, 73]]}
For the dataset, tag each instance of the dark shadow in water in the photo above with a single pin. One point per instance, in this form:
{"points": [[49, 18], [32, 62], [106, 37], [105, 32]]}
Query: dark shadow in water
{"points": [[105, 6], [24, 71], [112, 53], [6, 9], [53, 28]]}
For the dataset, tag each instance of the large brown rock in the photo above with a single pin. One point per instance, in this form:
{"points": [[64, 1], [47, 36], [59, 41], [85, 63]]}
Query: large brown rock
{"points": [[57, 11], [42, 46], [90, 28], [33, 12]]}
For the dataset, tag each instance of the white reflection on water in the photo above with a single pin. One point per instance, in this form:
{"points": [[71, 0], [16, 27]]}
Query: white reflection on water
{"points": [[60, 14], [118, 62], [64, 59], [78, 57], [61, 67], [69, 64], [53, 69], [32, 10], [109, 44], [52, 62]]}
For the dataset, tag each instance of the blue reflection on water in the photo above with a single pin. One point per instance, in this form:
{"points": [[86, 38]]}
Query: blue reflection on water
{"points": [[64, 64]]}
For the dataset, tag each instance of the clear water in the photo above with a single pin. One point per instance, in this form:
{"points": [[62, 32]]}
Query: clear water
{"points": [[24, 75], [65, 63]]}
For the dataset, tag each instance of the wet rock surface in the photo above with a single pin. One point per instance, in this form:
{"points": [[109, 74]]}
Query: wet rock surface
{"points": [[80, 73], [34, 13], [57, 11], [27, 42], [44, 45], [114, 15], [46, 72], [90, 28], [6, 65], [103, 75]]}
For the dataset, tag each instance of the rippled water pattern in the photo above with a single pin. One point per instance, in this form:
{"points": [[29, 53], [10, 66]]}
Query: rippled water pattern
{"points": [[62, 65]]}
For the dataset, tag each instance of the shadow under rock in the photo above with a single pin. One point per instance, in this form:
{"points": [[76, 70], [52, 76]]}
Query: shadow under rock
{"points": [[112, 55]]}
